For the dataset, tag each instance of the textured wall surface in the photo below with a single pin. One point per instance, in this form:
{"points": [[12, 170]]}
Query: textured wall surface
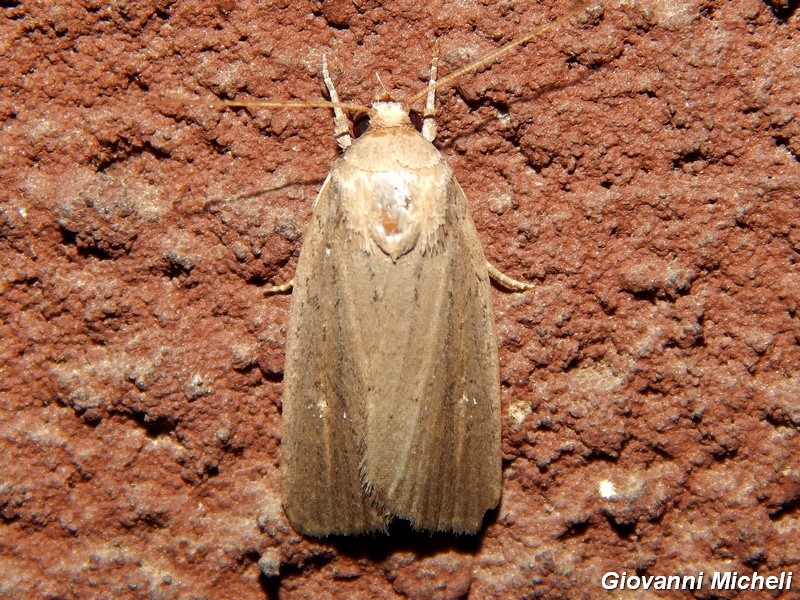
{"points": [[639, 162]]}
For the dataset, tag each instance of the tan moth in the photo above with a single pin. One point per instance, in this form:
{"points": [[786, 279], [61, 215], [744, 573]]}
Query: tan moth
{"points": [[391, 405]]}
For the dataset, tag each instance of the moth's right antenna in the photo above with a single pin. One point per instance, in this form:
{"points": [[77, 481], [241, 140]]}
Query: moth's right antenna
{"points": [[499, 52]]}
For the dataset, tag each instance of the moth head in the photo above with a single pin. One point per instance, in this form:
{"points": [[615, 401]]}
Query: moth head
{"points": [[386, 113]]}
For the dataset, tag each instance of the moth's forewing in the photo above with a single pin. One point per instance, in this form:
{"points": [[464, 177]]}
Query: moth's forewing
{"points": [[391, 400]]}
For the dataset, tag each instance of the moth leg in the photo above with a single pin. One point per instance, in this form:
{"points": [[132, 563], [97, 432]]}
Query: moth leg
{"points": [[428, 116], [279, 289], [507, 282], [341, 126]]}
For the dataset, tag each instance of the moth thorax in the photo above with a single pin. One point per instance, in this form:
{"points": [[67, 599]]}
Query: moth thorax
{"points": [[388, 114]]}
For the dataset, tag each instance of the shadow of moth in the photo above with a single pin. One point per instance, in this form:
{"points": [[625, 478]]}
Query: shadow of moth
{"points": [[391, 404]]}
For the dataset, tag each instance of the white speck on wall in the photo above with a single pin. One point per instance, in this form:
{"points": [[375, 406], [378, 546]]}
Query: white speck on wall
{"points": [[518, 411], [607, 489]]}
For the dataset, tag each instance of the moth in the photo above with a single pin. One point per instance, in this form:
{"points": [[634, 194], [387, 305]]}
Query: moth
{"points": [[391, 387], [391, 401]]}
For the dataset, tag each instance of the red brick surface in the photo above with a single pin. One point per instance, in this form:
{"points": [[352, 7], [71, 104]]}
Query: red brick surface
{"points": [[640, 162]]}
